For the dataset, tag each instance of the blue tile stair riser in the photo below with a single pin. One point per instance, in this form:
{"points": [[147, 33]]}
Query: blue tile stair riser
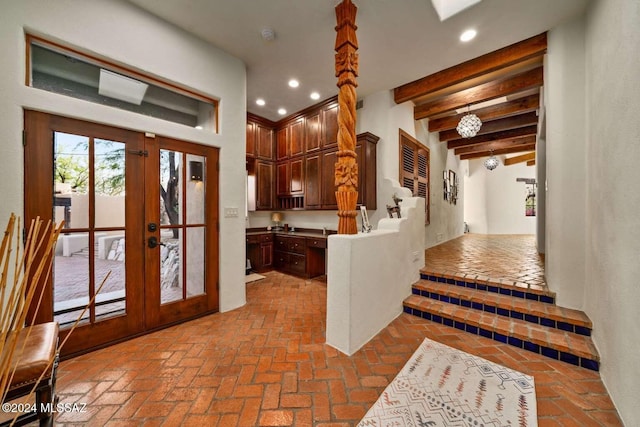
{"points": [[517, 315], [547, 322], [581, 330], [504, 291], [517, 294], [589, 364], [489, 308], [531, 318], [444, 298], [460, 283], [516, 342], [451, 281], [565, 326], [503, 312], [547, 299], [471, 285], [426, 315], [416, 291], [407, 310], [500, 337], [436, 318], [447, 322], [549, 352], [476, 305], [569, 358], [455, 301], [442, 280], [485, 333], [532, 297], [482, 287], [434, 296], [459, 325], [472, 329], [424, 293], [493, 289], [532, 347], [465, 303]]}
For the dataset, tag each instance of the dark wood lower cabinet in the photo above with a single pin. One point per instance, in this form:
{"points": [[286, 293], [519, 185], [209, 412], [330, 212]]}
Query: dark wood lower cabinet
{"points": [[298, 255]]}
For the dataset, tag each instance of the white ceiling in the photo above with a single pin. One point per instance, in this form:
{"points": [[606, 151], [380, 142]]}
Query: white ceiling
{"points": [[399, 40]]}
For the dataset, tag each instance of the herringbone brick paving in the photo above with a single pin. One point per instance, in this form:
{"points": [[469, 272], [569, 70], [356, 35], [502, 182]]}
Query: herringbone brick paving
{"points": [[266, 364]]}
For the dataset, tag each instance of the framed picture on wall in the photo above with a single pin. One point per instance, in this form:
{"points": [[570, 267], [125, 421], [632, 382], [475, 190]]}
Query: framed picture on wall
{"points": [[445, 185]]}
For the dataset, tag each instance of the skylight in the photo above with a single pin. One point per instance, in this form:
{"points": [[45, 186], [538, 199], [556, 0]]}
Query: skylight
{"points": [[447, 8]]}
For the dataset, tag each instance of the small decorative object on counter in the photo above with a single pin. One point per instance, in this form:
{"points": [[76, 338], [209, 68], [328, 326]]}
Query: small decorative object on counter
{"points": [[394, 209], [366, 227]]}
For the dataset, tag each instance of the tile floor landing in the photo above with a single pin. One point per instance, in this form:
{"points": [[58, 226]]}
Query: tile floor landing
{"points": [[266, 364]]}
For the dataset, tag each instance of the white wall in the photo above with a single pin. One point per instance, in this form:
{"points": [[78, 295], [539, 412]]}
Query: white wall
{"points": [[494, 201], [564, 98], [363, 293], [612, 228], [122, 33]]}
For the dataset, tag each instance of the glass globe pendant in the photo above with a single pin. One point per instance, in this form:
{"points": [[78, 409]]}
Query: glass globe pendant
{"points": [[469, 125], [491, 163]]}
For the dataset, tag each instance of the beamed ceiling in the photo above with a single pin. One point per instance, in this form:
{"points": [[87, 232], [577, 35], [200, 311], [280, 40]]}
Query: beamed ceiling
{"points": [[502, 88]]}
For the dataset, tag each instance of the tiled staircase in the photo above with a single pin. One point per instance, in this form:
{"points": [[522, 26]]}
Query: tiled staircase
{"points": [[523, 317]]}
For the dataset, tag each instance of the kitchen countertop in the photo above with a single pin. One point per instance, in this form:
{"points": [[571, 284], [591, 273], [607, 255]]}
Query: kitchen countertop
{"points": [[306, 232]]}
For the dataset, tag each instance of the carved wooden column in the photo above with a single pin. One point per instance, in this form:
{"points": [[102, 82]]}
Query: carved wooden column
{"points": [[346, 171]]}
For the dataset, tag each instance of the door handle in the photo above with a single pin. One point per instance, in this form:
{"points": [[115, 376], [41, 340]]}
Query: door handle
{"points": [[152, 242]]}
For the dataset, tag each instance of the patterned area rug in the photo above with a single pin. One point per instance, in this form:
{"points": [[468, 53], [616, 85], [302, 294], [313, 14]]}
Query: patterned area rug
{"points": [[443, 386]]}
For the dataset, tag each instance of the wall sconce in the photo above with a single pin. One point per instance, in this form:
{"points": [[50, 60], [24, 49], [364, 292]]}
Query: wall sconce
{"points": [[196, 170]]}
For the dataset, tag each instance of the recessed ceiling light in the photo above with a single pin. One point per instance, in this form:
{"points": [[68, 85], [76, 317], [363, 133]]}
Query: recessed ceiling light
{"points": [[315, 95], [468, 35], [198, 127], [282, 111], [294, 83], [260, 102]]}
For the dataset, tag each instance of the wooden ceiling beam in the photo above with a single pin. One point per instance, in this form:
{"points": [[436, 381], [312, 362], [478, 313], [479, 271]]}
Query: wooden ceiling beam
{"points": [[531, 163], [517, 149], [507, 56], [494, 112], [520, 159], [512, 122], [495, 145], [485, 92], [496, 136]]}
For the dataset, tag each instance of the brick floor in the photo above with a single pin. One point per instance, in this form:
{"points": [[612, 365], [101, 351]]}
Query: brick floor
{"points": [[509, 257], [266, 364]]}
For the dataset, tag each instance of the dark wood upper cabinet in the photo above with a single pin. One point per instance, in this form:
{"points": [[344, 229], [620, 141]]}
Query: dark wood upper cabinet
{"points": [[264, 138], [330, 126], [265, 199], [251, 139], [312, 132], [282, 143], [296, 137], [305, 152], [313, 181]]}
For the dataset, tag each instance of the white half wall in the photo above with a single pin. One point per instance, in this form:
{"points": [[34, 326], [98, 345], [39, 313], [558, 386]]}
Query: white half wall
{"points": [[370, 274], [612, 229], [124, 34], [494, 202]]}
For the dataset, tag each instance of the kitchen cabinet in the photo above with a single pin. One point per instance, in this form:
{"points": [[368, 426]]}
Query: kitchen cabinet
{"points": [[290, 177], [264, 140], [313, 181], [312, 132], [282, 143], [296, 137], [251, 139], [330, 125], [265, 184], [299, 255], [260, 251]]}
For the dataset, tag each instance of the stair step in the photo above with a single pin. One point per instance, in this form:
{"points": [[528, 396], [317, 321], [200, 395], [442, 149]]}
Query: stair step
{"points": [[544, 314], [556, 344], [498, 286]]}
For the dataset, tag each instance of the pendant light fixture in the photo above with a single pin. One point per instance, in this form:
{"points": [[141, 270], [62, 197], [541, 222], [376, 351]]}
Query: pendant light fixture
{"points": [[469, 125], [492, 162]]}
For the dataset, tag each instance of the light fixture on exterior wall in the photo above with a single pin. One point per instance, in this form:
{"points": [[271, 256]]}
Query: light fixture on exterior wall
{"points": [[195, 169], [492, 162], [469, 125]]}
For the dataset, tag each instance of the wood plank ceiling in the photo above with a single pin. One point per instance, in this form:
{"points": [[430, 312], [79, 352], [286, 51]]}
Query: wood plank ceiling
{"points": [[502, 88]]}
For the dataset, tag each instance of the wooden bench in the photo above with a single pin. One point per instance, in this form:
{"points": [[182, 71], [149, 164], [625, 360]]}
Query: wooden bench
{"points": [[40, 349]]}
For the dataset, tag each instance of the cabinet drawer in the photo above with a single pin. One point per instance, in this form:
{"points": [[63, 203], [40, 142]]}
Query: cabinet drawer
{"points": [[280, 260], [265, 238], [319, 242], [297, 263], [253, 239], [297, 245]]}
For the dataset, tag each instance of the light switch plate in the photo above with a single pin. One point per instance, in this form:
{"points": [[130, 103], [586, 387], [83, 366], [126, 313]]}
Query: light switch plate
{"points": [[230, 212]]}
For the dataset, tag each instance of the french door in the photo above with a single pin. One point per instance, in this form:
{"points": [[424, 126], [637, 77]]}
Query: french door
{"points": [[139, 249]]}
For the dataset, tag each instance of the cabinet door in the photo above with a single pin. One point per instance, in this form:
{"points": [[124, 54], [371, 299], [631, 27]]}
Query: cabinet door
{"points": [[283, 179], [296, 185], [296, 138], [313, 174], [264, 139], [266, 255], [282, 144], [251, 139], [330, 126], [312, 133], [264, 186], [328, 193]]}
